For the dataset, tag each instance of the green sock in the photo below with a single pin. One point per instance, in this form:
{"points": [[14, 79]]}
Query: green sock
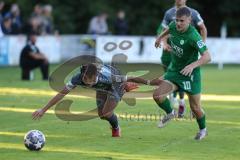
{"points": [[202, 122], [165, 105], [174, 94]]}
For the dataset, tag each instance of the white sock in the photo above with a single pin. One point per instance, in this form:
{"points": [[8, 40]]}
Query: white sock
{"points": [[203, 130], [182, 102]]}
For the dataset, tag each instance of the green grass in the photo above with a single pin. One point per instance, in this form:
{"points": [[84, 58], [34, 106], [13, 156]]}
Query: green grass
{"points": [[141, 139]]}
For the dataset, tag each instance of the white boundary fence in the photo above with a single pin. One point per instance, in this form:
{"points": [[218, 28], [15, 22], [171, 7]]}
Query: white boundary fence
{"points": [[142, 49]]}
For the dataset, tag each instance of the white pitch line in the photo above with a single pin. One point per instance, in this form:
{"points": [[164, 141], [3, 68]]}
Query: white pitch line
{"points": [[33, 92], [134, 117]]}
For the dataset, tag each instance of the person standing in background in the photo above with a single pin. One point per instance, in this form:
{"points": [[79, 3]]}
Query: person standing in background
{"points": [[98, 24], [1, 8], [14, 14], [120, 24]]}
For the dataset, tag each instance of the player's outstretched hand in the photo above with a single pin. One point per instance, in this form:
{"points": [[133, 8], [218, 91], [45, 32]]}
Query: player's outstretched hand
{"points": [[129, 86], [37, 114], [187, 71], [158, 43]]}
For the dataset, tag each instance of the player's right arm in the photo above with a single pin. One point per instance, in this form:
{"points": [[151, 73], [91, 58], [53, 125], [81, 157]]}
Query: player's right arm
{"points": [[161, 38], [166, 46], [59, 96], [162, 27]]}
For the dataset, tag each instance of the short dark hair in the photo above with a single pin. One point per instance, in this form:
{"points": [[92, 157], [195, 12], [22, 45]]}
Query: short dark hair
{"points": [[90, 70], [183, 11], [29, 35]]}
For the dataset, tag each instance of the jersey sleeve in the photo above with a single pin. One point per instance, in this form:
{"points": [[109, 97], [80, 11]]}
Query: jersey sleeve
{"points": [[198, 43], [73, 82], [196, 18], [159, 29], [120, 78], [172, 26]]}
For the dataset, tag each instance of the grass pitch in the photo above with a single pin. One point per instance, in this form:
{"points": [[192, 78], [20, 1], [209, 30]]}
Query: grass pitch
{"points": [[140, 140]]}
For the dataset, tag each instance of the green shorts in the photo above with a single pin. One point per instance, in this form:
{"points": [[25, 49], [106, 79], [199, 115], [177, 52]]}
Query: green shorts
{"points": [[191, 85]]}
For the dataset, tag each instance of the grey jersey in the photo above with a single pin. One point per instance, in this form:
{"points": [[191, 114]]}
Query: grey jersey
{"points": [[109, 81], [170, 15]]}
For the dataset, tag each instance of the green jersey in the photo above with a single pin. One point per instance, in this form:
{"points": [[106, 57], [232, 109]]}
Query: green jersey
{"points": [[186, 47]]}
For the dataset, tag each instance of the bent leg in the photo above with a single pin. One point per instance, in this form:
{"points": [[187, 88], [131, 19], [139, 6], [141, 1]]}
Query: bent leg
{"points": [[195, 104], [106, 105], [44, 67], [160, 95]]}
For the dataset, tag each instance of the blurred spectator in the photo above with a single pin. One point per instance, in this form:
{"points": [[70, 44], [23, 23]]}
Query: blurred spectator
{"points": [[1, 8], [32, 58], [35, 22], [37, 11], [120, 24], [7, 25], [38, 15], [47, 20], [14, 14], [1, 33], [33, 26], [98, 24]]}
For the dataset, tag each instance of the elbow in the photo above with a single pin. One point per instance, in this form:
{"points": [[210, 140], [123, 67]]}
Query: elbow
{"points": [[209, 59]]}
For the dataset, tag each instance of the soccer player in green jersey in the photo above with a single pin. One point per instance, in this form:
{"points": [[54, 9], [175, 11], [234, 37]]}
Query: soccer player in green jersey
{"points": [[183, 72], [196, 21]]}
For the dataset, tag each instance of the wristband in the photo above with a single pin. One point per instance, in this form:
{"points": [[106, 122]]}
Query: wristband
{"points": [[148, 82]]}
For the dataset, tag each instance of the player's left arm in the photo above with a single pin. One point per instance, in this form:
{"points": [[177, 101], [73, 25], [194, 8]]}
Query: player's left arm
{"points": [[205, 58], [138, 80], [198, 21]]}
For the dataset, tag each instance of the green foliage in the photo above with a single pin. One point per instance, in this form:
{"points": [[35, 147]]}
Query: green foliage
{"points": [[73, 16]]}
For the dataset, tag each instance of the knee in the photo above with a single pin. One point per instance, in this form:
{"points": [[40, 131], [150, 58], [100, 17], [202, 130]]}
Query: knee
{"points": [[158, 98], [195, 108], [102, 116], [105, 115]]}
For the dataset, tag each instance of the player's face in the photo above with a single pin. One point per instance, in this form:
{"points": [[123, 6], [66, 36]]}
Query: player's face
{"points": [[182, 23], [90, 80]]}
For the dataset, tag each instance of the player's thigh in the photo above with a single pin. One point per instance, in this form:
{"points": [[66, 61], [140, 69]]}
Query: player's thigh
{"points": [[110, 104], [32, 64], [101, 98], [164, 88]]}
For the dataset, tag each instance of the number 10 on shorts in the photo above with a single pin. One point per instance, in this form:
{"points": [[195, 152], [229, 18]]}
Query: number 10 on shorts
{"points": [[187, 85]]}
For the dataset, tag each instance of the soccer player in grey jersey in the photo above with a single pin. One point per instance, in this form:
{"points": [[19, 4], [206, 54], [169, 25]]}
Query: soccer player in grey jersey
{"points": [[197, 21], [110, 86]]}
